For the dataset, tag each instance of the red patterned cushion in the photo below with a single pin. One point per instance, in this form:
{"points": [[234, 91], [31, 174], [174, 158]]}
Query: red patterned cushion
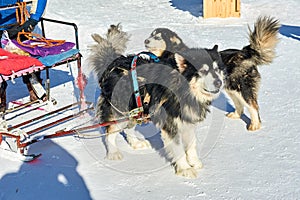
{"points": [[10, 63]]}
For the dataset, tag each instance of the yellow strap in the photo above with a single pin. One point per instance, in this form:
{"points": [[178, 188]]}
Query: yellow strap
{"points": [[22, 13], [40, 40]]}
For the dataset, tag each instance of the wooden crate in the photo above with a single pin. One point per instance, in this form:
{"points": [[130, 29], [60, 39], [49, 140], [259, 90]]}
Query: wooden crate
{"points": [[221, 8]]}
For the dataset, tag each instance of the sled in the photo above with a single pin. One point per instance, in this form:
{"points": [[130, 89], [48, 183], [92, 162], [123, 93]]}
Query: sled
{"points": [[14, 139], [49, 62]]}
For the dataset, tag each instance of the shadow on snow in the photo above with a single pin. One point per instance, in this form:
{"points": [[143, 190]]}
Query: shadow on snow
{"points": [[52, 176], [195, 7], [290, 31]]}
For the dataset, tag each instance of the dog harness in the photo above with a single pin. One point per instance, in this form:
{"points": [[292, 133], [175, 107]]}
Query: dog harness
{"points": [[139, 110]]}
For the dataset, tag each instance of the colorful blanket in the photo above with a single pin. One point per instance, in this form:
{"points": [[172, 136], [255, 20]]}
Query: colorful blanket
{"points": [[44, 51], [11, 63]]}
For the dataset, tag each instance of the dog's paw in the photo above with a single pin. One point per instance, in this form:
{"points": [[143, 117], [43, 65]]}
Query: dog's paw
{"points": [[194, 162], [136, 143], [254, 126], [197, 165], [187, 173], [233, 115], [114, 156], [141, 144]]}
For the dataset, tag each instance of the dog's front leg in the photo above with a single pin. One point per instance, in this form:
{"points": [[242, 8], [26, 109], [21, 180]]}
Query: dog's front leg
{"points": [[189, 142], [192, 156], [113, 152], [175, 150]]}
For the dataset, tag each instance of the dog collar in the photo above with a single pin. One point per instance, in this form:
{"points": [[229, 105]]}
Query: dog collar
{"points": [[151, 55]]}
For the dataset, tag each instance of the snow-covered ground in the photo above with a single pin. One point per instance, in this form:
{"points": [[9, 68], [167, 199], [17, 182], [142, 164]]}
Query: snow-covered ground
{"points": [[237, 164]]}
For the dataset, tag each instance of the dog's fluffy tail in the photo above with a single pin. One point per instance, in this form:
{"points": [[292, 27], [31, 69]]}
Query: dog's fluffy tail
{"points": [[263, 39], [107, 49]]}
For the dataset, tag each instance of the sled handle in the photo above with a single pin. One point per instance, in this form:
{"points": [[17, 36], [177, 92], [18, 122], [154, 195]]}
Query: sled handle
{"points": [[61, 22]]}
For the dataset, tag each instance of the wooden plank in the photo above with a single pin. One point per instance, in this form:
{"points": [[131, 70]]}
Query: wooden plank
{"points": [[221, 8], [208, 8], [224, 12]]}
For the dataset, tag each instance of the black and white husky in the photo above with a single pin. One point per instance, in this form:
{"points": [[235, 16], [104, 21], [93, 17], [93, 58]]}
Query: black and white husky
{"points": [[242, 75], [178, 97], [243, 78]]}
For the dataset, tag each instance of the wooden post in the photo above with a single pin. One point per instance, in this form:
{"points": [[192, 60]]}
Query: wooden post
{"points": [[221, 8]]}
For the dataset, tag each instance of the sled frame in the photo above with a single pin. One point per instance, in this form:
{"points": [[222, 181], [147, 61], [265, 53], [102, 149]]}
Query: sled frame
{"points": [[82, 105]]}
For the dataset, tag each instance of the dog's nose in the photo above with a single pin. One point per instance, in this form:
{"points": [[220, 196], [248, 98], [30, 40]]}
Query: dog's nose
{"points": [[218, 83], [146, 41]]}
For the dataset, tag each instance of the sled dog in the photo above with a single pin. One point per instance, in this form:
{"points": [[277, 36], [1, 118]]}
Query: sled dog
{"points": [[242, 75], [177, 97]]}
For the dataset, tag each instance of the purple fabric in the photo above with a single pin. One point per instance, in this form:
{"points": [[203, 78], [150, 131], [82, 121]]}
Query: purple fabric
{"points": [[44, 51]]}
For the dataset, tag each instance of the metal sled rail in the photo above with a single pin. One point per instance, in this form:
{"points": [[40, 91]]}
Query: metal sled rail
{"points": [[45, 115], [63, 133], [21, 145]]}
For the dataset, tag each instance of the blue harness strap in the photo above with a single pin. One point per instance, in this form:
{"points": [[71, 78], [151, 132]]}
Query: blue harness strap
{"points": [[135, 83]]}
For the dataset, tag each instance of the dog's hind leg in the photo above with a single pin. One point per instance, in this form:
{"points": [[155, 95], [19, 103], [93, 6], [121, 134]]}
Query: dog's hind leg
{"points": [[175, 150], [134, 141], [254, 114], [113, 152], [238, 104]]}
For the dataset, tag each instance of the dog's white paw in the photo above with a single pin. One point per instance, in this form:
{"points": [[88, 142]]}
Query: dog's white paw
{"points": [[233, 115], [114, 156], [141, 144], [136, 143], [254, 126], [187, 173], [196, 164]]}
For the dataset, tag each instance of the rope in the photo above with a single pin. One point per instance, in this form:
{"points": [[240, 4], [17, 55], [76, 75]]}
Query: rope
{"points": [[22, 15], [38, 40], [125, 114]]}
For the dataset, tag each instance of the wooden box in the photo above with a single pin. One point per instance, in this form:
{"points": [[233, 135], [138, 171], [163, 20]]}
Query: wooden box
{"points": [[221, 8]]}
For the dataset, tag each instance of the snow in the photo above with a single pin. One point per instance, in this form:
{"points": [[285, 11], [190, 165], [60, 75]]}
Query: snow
{"points": [[237, 164]]}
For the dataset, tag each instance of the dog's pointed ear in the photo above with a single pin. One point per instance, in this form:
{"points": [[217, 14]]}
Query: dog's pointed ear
{"points": [[215, 48], [180, 62], [97, 38]]}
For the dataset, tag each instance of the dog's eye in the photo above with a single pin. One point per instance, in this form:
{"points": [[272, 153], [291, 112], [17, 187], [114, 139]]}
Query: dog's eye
{"points": [[157, 38]]}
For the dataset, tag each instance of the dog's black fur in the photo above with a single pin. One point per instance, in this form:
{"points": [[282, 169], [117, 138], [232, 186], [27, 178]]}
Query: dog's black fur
{"points": [[178, 97], [242, 77]]}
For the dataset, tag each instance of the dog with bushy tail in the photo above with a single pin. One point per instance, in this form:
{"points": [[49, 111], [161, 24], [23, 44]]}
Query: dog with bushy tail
{"points": [[243, 78], [106, 50]]}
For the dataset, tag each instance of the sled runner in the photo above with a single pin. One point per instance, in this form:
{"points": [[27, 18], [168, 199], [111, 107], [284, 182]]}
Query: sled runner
{"points": [[16, 140]]}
